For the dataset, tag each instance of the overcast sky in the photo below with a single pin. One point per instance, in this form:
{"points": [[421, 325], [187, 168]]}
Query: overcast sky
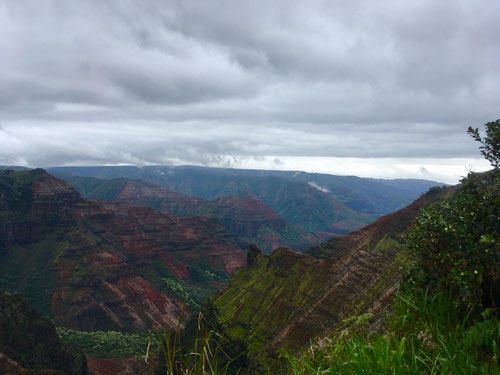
{"points": [[370, 88]]}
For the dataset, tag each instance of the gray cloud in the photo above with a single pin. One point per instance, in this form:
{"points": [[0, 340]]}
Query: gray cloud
{"points": [[224, 82]]}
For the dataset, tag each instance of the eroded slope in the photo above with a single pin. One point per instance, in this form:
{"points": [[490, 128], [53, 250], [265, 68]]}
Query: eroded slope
{"points": [[105, 266]]}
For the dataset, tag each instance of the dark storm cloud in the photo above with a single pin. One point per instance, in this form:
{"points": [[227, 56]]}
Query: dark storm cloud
{"points": [[221, 81]]}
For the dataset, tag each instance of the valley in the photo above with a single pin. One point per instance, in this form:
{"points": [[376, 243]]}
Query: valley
{"points": [[107, 257]]}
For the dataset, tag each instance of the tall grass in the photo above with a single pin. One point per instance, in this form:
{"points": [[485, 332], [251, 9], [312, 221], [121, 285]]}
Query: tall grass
{"points": [[203, 356], [425, 335]]}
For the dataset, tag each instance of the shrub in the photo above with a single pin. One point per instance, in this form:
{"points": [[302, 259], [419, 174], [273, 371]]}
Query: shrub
{"points": [[456, 244]]}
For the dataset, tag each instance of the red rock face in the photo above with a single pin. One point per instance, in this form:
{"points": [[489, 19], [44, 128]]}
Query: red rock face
{"points": [[245, 216], [113, 257], [113, 297], [150, 234], [136, 238], [242, 206]]}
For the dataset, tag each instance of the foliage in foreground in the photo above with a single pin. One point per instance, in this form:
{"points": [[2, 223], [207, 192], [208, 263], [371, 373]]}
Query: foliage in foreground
{"points": [[162, 350], [425, 335], [203, 354], [456, 244]]}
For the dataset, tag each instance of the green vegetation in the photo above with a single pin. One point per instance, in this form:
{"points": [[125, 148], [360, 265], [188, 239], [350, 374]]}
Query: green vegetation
{"points": [[387, 245], [445, 318], [195, 291], [108, 344], [180, 291], [162, 350], [425, 335], [15, 188], [490, 145]]}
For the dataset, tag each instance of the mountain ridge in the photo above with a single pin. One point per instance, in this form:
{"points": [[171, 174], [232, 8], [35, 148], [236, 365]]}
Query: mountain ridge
{"points": [[350, 190]]}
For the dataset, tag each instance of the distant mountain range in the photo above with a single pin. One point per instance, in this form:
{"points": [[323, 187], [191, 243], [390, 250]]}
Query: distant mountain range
{"points": [[13, 167], [318, 203], [368, 195]]}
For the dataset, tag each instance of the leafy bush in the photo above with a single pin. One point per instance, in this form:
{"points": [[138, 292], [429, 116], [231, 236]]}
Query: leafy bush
{"points": [[180, 291], [490, 145], [456, 244]]}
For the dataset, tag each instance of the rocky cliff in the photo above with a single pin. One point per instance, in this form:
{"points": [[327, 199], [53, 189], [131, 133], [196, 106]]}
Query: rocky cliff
{"points": [[103, 265]]}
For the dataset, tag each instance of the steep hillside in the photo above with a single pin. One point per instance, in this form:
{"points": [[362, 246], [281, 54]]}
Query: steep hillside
{"points": [[286, 299], [247, 218], [104, 265], [29, 343], [299, 202]]}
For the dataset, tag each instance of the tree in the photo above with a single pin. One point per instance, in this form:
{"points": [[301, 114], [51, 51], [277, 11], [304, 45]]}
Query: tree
{"points": [[491, 143]]}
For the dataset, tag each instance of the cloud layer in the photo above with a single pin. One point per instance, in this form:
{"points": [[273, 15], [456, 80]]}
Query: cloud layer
{"points": [[236, 83]]}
